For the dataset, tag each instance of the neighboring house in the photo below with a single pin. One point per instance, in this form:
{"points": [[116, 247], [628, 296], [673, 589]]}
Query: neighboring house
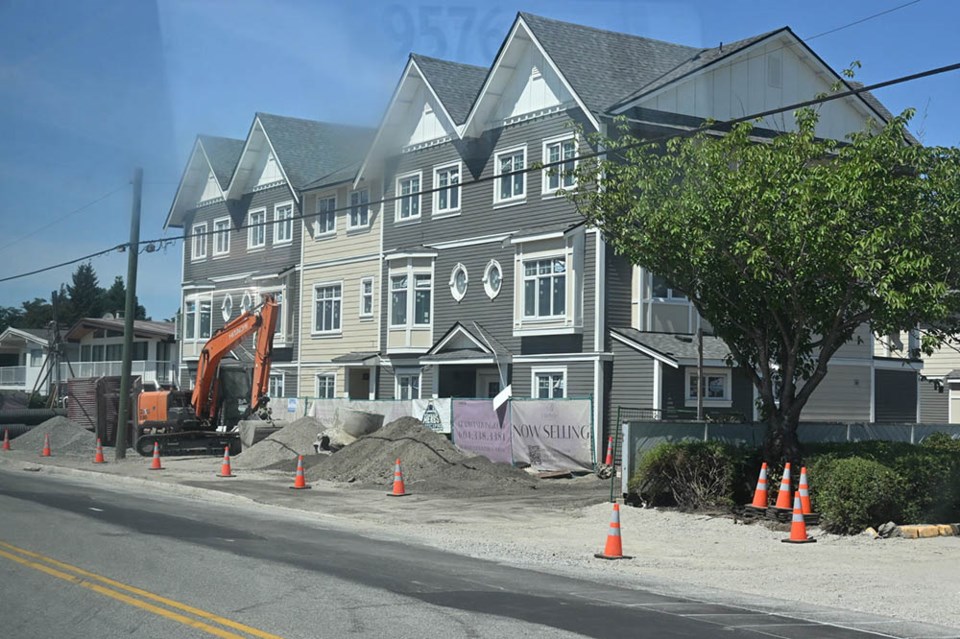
{"points": [[939, 386], [499, 282], [99, 344], [23, 352], [239, 203]]}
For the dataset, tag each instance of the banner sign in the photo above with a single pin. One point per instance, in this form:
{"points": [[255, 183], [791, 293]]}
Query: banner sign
{"points": [[552, 434], [480, 428], [434, 413]]}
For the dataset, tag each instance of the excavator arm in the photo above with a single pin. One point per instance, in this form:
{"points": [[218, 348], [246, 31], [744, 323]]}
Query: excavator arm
{"points": [[263, 321]]}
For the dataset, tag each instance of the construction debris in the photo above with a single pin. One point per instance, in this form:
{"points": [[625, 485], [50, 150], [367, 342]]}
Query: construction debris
{"points": [[66, 437], [282, 447]]}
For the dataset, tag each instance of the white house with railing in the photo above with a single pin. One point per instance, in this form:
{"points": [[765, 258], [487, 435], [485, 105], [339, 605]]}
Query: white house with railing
{"points": [[99, 347], [23, 352]]}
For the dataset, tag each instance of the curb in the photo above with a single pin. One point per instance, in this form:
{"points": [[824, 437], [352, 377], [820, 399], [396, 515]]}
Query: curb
{"points": [[927, 531]]}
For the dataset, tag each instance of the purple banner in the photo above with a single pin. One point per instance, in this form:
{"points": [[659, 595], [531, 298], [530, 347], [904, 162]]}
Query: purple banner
{"points": [[552, 434], [480, 429]]}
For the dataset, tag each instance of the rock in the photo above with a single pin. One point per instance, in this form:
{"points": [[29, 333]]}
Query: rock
{"points": [[888, 530], [871, 533]]}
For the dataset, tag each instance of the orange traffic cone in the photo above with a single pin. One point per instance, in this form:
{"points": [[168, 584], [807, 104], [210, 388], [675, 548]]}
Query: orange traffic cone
{"points": [[760, 497], [398, 488], [614, 547], [798, 527], [783, 497], [6, 439], [299, 482], [155, 464], [98, 457], [609, 460], [46, 446], [225, 470], [804, 491]]}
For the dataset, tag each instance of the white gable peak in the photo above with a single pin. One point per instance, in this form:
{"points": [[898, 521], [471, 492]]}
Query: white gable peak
{"points": [[211, 190]]}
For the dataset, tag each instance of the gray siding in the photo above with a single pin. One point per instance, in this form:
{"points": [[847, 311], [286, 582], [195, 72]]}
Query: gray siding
{"points": [[895, 396], [579, 377], [189, 372], [630, 380], [619, 292], [674, 396], [934, 403]]}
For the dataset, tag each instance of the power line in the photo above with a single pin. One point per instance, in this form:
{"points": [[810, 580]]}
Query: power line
{"points": [[862, 20], [706, 126]]}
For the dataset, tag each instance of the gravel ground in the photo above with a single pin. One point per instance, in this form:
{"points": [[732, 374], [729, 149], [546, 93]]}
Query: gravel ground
{"points": [[559, 525], [295, 438], [66, 438]]}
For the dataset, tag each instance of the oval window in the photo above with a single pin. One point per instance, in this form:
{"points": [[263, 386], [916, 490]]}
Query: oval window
{"points": [[246, 302], [458, 282], [492, 279], [226, 309]]}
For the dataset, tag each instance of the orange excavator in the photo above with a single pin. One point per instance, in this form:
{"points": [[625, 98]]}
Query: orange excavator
{"points": [[205, 420]]}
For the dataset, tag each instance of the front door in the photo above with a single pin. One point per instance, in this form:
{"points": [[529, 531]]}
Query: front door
{"points": [[488, 384]]}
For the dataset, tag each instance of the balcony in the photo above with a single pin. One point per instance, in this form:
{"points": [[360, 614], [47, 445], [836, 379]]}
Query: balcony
{"points": [[149, 371], [13, 376]]}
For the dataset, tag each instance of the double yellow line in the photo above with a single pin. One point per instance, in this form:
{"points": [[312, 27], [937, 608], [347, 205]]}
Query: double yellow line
{"points": [[131, 595]]}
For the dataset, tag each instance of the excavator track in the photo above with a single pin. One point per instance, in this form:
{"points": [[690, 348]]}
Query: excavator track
{"points": [[189, 443]]}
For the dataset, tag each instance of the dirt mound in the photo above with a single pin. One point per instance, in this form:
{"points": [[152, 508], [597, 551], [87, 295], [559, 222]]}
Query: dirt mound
{"points": [[66, 438], [295, 438], [430, 462]]}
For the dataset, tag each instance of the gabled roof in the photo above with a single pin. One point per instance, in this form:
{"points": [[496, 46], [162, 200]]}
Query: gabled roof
{"points": [[141, 328], [35, 335], [604, 66], [674, 347], [307, 150], [222, 154], [456, 84]]}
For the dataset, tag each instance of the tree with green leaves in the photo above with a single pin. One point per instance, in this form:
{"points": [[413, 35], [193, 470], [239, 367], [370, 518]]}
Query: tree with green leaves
{"points": [[84, 295], [115, 299], [788, 246]]}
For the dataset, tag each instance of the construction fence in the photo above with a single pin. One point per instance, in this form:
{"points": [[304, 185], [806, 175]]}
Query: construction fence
{"points": [[546, 434], [637, 437]]}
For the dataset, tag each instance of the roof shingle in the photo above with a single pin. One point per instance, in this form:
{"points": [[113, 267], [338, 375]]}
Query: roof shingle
{"points": [[223, 154], [455, 84]]}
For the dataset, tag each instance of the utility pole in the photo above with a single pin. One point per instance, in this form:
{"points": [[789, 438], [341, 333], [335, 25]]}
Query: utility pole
{"points": [[128, 317], [700, 385]]}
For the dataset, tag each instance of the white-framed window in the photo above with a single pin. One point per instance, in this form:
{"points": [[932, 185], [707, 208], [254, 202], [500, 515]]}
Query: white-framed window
{"points": [[278, 297], [399, 294], [246, 302], [410, 301], [716, 386], [190, 319], [407, 384], [661, 289], [257, 229], [226, 307], [327, 306], [366, 297], [199, 251], [326, 221], [197, 318], [283, 223], [205, 319], [559, 176], [545, 287], [492, 278], [276, 385], [458, 281], [446, 197], [549, 383], [326, 386], [221, 236], [510, 185], [423, 298], [359, 209], [408, 190]]}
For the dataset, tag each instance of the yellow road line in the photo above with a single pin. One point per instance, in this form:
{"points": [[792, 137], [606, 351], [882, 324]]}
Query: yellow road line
{"points": [[118, 586]]}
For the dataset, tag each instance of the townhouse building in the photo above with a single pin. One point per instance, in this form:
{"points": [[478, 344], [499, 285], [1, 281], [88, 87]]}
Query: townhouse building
{"points": [[239, 204]]}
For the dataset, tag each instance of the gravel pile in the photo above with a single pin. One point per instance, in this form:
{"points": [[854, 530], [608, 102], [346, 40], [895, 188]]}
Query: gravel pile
{"points": [[66, 438], [295, 438], [430, 462]]}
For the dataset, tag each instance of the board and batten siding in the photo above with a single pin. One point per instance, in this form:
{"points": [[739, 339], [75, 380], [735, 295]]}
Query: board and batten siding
{"points": [[619, 292]]}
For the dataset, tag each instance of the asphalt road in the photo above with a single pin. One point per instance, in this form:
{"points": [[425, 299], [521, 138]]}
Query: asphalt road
{"points": [[77, 560]]}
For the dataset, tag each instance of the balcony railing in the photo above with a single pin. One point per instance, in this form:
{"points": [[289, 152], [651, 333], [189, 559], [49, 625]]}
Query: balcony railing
{"points": [[150, 371], [13, 375]]}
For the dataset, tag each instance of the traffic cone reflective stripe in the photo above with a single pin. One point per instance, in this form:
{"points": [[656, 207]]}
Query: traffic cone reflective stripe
{"points": [[609, 460], [760, 494], [225, 470], [299, 482], [798, 527], [46, 446], [783, 497], [614, 546], [399, 490], [6, 439], [804, 491], [98, 457], [155, 465]]}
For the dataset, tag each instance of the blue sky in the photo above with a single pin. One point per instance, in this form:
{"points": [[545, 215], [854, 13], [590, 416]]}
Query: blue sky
{"points": [[89, 90]]}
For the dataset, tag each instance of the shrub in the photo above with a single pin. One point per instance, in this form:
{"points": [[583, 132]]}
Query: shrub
{"points": [[854, 493], [692, 475], [942, 441]]}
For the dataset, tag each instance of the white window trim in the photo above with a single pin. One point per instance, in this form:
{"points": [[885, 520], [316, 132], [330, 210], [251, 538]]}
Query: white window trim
{"points": [[201, 236], [283, 385], [691, 402], [226, 304], [492, 294], [373, 297], [514, 199], [567, 273], [572, 249], [398, 202], [669, 299], [350, 225], [280, 334], [251, 228], [317, 235], [551, 370], [313, 326], [545, 173], [197, 300], [316, 384], [405, 372], [217, 234], [277, 222], [436, 211], [458, 296], [411, 272]]}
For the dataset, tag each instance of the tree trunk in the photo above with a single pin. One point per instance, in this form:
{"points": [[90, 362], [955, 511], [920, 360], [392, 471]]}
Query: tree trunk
{"points": [[781, 444]]}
